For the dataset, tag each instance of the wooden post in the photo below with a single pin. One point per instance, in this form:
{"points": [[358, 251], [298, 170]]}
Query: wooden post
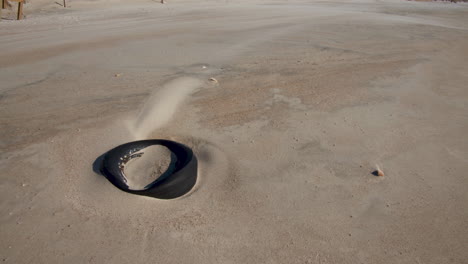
{"points": [[20, 10], [4, 4], [64, 3]]}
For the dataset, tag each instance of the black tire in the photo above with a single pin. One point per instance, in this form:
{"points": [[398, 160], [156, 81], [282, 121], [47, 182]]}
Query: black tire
{"points": [[169, 185]]}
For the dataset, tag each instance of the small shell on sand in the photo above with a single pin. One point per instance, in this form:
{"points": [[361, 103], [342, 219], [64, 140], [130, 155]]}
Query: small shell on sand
{"points": [[213, 80], [117, 75]]}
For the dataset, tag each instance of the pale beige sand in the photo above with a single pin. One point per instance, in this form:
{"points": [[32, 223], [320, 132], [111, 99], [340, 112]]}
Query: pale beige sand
{"points": [[312, 96], [148, 165]]}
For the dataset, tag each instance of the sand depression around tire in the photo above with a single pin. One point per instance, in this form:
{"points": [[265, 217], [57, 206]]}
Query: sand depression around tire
{"points": [[171, 184]]}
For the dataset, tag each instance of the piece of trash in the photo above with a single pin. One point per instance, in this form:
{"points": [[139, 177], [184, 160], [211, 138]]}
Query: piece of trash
{"points": [[172, 179], [378, 172], [213, 80], [117, 75]]}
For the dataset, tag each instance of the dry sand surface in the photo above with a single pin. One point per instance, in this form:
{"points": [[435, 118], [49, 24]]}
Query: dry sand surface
{"points": [[149, 164], [311, 97]]}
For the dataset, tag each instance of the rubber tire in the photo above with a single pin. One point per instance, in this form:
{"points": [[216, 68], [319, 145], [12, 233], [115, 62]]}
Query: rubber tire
{"points": [[180, 182]]}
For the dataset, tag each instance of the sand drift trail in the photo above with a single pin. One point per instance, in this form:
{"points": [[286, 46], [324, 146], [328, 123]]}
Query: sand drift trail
{"points": [[179, 173], [161, 106]]}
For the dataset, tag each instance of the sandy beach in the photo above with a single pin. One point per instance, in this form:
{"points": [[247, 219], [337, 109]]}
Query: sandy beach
{"points": [[308, 99]]}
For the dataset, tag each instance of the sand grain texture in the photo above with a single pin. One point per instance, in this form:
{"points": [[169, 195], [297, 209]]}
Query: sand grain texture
{"points": [[151, 163], [312, 97]]}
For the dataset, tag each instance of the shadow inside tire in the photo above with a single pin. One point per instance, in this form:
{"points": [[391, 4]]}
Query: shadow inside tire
{"points": [[167, 186]]}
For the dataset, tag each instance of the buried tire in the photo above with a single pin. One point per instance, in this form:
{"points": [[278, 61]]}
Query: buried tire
{"points": [[171, 184]]}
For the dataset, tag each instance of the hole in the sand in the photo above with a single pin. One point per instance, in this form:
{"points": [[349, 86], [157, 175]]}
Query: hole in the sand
{"points": [[158, 168]]}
